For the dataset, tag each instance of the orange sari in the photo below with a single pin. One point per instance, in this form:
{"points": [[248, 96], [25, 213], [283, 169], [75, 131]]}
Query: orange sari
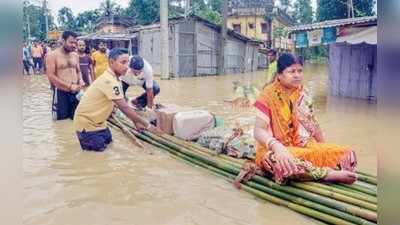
{"points": [[288, 122]]}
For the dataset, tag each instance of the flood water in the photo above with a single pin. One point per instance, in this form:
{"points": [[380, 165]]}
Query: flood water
{"points": [[124, 186]]}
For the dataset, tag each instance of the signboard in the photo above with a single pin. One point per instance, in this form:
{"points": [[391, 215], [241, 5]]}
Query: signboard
{"points": [[315, 37], [301, 40], [329, 35]]}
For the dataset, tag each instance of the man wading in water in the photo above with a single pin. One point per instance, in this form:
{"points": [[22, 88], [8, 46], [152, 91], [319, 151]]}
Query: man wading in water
{"points": [[64, 74], [98, 103]]}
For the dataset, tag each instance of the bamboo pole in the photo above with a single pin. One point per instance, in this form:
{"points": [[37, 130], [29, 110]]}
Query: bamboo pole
{"points": [[356, 188], [367, 179], [125, 130], [128, 132], [366, 174], [353, 194]]}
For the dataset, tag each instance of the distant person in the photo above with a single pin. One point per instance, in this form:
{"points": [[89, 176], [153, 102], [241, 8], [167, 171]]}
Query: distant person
{"points": [[64, 74], [46, 50], [37, 54], [53, 45], [140, 73], [98, 103], [271, 56], [100, 60], [85, 63], [26, 59]]}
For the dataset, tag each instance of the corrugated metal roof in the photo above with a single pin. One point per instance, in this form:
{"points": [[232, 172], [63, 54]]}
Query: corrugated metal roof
{"points": [[366, 35], [334, 23], [109, 36]]}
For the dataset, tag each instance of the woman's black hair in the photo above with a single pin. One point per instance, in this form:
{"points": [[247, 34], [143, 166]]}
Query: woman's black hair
{"points": [[286, 60]]}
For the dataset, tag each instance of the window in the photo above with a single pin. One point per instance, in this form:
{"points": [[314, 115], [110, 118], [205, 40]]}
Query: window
{"points": [[264, 28], [251, 25], [236, 27]]}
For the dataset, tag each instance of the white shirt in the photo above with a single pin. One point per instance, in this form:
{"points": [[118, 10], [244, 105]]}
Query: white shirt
{"points": [[146, 76]]}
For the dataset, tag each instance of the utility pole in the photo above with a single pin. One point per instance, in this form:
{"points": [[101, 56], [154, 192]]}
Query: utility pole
{"points": [[28, 25], [221, 58], [164, 39], [46, 18], [187, 7], [350, 9]]}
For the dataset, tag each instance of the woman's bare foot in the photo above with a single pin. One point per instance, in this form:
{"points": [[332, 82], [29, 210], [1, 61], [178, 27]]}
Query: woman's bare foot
{"points": [[341, 176]]}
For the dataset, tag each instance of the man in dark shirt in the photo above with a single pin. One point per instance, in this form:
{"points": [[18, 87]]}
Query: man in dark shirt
{"points": [[85, 63]]}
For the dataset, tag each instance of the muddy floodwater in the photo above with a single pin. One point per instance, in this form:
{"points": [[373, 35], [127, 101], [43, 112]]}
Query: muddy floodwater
{"points": [[124, 186]]}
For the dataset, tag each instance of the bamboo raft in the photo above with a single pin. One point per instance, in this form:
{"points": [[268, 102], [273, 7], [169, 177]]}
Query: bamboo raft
{"points": [[337, 204]]}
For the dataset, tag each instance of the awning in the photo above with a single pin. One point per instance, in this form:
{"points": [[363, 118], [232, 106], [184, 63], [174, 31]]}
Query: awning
{"points": [[367, 35]]}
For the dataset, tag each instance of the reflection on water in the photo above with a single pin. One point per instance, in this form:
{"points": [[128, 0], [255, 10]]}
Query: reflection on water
{"points": [[63, 185]]}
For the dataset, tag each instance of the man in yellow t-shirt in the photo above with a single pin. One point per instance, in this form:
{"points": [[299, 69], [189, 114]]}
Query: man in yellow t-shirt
{"points": [[271, 56], [100, 60], [98, 102]]}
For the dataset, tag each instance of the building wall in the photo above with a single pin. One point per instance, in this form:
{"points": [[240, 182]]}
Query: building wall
{"points": [[149, 48], [108, 28], [194, 49], [185, 49], [244, 21], [353, 70], [208, 48]]}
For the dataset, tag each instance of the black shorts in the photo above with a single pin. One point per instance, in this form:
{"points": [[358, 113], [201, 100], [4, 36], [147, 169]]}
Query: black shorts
{"points": [[95, 140], [64, 104]]}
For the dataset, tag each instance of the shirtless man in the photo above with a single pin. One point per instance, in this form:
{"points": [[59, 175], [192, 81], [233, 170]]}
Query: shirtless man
{"points": [[64, 74]]}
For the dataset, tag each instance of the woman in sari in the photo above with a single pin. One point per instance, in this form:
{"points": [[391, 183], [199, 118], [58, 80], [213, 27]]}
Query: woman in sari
{"points": [[290, 144]]}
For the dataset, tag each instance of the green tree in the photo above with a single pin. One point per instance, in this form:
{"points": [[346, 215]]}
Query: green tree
{"points": [[285, 5], [210, 15], [364, 7], [66, 19], [198, 5], [337, 9], [303, 12], [280, 31], [110, 7], [215, 5], [34, 21], [144, 11], [87, 20]]}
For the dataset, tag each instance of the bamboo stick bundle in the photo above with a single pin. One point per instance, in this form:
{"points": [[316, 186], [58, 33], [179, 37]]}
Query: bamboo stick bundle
{"points": [[366, 214], [297, 207], [229, 168], [337, 196], [328, 193], [361, 176], [233, 162], [292, 198]]}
